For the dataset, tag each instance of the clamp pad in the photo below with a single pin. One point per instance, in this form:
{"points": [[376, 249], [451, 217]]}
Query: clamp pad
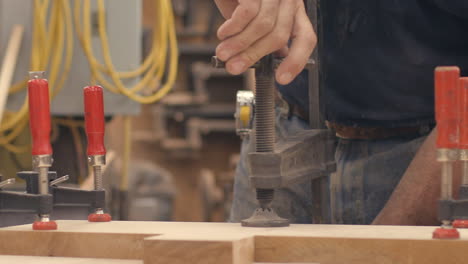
{"points": [[40, 225], [445, 233], [460, 223], [265, 218], [99, 218]]}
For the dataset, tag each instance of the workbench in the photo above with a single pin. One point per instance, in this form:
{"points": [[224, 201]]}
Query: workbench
{"points": [[121, 242]]}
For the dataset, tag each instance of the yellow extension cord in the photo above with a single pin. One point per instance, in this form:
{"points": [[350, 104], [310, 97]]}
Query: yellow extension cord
{"points": [[52, 50], [153, 68], [52, 39]]}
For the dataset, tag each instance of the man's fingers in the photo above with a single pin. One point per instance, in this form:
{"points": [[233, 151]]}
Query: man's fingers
{"points": [[283, 52], [263, 24], [274, 41], [303, 43], [268, 33], [226, 7], [244, 13]]}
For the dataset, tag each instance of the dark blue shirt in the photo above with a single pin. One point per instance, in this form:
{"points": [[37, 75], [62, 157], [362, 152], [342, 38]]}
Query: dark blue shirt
{"points": [[378, 57]]}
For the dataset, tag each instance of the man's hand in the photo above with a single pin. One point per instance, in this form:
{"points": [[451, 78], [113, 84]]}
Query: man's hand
{"points": [[255, 28]]}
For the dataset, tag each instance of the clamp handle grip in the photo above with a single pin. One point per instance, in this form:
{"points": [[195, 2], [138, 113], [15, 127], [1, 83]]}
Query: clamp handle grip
{"points": [[446, 84], [463, 104], [39, 114], [94, 119]]}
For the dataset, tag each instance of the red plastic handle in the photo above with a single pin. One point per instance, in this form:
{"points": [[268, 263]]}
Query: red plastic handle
{"points": [[94, 119], [463, 104], [39, 116], [447, 117]]}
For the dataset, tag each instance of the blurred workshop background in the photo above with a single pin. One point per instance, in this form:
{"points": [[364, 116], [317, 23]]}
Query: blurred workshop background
{"points": [[171, 141]]}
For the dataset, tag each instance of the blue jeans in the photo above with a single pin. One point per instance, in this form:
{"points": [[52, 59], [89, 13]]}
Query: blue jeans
{"points": [[367, 173]]}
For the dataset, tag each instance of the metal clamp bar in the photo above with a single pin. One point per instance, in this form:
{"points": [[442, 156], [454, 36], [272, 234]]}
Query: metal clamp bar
{"points": [[7, 182], [60, 180]]}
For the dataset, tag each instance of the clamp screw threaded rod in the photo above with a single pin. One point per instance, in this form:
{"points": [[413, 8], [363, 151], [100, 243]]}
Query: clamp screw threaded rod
{"points": [[264, 118], [97, 177]]}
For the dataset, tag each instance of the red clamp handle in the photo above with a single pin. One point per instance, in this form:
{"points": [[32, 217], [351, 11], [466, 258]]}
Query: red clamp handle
{"points": [[94, 119], [39, 115], [446, 84], [463, 104]]}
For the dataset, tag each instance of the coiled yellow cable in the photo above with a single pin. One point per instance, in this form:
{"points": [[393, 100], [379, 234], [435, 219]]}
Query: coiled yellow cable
{"points": [[153, 68], [52, 39]]}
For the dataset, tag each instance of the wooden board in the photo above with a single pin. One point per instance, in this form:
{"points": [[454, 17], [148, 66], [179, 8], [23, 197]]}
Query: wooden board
{"points": [[177, 243], [59, 260]]}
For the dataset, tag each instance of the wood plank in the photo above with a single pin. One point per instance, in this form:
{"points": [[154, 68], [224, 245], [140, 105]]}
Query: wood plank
{"points": [[9, 64], [84, 245], [352, 250], [176, 242], [58, 260], [208, 249], [118, 240], [359, 244]]}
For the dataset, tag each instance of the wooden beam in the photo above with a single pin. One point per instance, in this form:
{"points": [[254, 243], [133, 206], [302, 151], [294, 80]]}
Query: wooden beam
{"points": [[176, 242], [9, 64], [211, 249], [75, 239], [58, 260]]}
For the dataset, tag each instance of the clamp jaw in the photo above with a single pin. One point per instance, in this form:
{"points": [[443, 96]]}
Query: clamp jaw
{"points": [[60, 202], [69, 200], [23, 207]]}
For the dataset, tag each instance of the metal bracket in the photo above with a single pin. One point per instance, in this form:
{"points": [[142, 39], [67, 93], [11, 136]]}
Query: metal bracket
{"points": [[71, 197], [7, 182], [64, 196], [306, 155], [455, 209]]}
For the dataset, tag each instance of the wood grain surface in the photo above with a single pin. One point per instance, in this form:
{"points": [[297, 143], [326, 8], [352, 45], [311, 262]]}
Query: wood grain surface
{"points": [[59, 260], [196, 243]]}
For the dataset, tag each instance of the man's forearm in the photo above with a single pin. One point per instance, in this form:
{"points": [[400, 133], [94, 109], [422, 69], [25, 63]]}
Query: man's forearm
{"points": [[414, 201]]}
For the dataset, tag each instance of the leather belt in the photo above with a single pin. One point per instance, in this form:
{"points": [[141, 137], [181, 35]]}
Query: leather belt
{"points": [[349, 132]]}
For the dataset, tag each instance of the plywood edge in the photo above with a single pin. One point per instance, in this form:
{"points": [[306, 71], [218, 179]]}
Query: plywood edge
{"points": [[232, 244], [326, 250], [244, 251], [60, 260], [199, 249], [69, 244]]}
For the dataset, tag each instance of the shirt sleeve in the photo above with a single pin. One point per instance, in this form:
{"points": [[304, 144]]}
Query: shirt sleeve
{"points": [[456, 7]]}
